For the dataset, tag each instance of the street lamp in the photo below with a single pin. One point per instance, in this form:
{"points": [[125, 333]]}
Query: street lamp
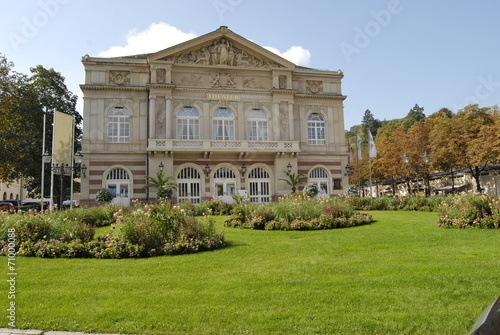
{"points": [[349, 170], [289, 168], [243, 169], [416, 165], [66, 169], [207, 170], [161, 166]]}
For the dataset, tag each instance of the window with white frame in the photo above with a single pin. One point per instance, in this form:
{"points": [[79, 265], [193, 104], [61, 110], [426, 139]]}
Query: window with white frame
{"points": [[316, 129], [223, 124], [188, 124], [257, 126], [118, 125]]}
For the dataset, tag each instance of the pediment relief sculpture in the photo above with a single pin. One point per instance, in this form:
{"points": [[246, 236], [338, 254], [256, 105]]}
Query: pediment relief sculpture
{"points": [[119, 77], [222, 52]]}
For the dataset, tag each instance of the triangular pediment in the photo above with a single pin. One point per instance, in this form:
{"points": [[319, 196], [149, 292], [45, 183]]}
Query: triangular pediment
{"points": [[221, 48]]}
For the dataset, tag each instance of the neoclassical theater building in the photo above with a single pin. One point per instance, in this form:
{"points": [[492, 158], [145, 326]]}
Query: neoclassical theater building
{"points": [[219, 114]]}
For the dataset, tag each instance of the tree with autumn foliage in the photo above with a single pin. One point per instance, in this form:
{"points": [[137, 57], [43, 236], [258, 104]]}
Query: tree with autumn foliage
{"points": [[474, 125]]}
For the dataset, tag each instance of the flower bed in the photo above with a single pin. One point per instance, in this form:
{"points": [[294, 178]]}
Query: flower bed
{"points": [[156, 230], [297, 212], [470, 210]]}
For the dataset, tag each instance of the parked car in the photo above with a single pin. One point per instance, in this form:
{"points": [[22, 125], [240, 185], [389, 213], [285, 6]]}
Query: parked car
{"points": [[16, 203], [7, 207], [34, 204]]}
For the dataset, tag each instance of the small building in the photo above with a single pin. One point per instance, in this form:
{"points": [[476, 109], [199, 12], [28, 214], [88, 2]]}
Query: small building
{"points": [[218, 113]]}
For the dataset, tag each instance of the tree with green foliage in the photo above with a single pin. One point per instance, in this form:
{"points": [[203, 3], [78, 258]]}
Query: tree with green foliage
{"points": [[164, 185], [294, 180], [23, 102], [415, 114], [371, 123]]}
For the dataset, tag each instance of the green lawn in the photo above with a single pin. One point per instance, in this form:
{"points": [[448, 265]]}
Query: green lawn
{"points": [[399, 275]]}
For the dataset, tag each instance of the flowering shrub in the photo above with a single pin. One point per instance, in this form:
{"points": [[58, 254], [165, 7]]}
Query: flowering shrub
{"points": [[156, 230], [297, 212], [470, 210]]}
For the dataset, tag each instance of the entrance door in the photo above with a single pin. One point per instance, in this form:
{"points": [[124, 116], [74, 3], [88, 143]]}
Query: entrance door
{"points": [[225, 184], [189, 185], [259, 186], [118, 182]]}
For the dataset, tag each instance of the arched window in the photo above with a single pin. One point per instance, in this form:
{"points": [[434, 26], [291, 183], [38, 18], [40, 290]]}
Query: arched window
{"points": [[118, 125], [316, 129], [188, 124], [319, 176], [257, 126], [223, 125]]}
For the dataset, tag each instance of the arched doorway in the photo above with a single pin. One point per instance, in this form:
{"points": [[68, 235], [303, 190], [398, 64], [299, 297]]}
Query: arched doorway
{"points": [[259, 185], [225, 183], [189, 185], [319, 176], [118, 182]]}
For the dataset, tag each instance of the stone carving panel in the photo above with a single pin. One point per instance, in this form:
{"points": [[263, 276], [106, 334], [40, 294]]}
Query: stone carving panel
{"points": [[126, 103], [314, 86], [222, 52], [193, 80], [222, 79], [160, 76], [160, 121], [119, 77], [252, 83], [284, 133]]}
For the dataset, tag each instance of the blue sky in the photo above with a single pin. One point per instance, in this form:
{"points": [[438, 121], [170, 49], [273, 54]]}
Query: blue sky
{"points": [[394, 53]]}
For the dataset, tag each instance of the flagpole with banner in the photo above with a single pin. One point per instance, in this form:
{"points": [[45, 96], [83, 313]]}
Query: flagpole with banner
{"points": [[372, 154], [62, 147], [360, 157]]}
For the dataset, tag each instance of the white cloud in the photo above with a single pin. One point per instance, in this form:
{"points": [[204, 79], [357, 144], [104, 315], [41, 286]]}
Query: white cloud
{"points": [[157, 37], [162, 35], [296, 54]]}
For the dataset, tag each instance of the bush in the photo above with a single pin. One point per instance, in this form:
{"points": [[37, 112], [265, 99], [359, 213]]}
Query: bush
{"points": [[104, 196], [151, 231], [470, 210], [297, 212]]}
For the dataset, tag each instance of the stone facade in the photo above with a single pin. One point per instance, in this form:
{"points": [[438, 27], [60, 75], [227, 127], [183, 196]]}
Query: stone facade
{"points": [[219, 113]]}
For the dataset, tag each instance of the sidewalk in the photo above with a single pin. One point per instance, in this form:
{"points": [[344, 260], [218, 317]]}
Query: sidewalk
{"points": [[10, 331]]}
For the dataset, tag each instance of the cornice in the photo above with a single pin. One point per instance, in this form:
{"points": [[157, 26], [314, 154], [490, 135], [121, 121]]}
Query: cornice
{"points": [[113, 88], [321, 96]]}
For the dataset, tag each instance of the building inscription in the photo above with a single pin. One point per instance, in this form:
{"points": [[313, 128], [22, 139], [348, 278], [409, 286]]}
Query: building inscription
{"points": [[229, 97]]}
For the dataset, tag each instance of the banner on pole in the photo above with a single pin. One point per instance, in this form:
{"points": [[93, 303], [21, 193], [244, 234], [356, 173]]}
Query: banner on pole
{"points": [[373, 148], [62, 140]]}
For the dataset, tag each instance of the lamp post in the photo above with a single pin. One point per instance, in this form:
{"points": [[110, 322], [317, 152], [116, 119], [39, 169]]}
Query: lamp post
{"points": [[65, 169], [416, 165]]}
